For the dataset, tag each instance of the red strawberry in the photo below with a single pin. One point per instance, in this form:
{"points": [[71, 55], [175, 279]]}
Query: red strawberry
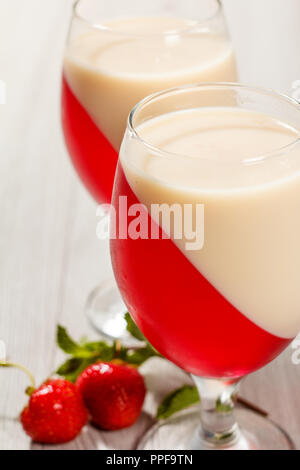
{"points": [[55, 413], [114, 394]]}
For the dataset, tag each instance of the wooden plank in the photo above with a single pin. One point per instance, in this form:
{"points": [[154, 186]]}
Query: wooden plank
{"points": [[36, 194], [50, 257]]}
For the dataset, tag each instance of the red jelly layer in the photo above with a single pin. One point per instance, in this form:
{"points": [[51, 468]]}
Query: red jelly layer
{"points": [[93, 156]]}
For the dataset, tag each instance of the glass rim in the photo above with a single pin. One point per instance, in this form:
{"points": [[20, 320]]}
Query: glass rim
{"points": [[104, 28], [211, 85]]}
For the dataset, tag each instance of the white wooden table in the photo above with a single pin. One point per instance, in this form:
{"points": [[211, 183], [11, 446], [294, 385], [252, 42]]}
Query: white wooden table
{"points": [[50, 257]]}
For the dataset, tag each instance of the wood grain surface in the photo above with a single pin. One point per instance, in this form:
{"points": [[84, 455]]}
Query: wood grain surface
{"points": [[50, 257]]}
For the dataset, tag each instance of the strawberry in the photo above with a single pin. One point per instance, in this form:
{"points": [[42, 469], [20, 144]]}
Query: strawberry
{"points": [[55, 413], [114, 394]]}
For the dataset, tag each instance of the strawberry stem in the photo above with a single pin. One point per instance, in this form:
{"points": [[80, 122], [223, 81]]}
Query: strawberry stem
{"points": [[30, 389]]}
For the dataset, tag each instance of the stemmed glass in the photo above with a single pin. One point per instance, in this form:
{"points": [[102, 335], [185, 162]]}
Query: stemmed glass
{"points": [[227, 305], [117, 53]]}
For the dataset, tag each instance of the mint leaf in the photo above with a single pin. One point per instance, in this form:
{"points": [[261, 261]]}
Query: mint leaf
{"points": [[101, 350], [94, 346], [83, 340], [73, 367], [178, 400], [107, 353], [70, 366], [133, 329], [66, 343], [84, 353], [137, 356]]}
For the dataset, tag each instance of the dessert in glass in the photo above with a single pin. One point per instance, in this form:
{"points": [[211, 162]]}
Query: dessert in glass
{"points": [[206, 256], [118, 53]]}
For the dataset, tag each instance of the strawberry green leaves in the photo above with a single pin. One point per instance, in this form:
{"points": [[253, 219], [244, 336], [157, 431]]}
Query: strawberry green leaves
{"points": [[66, 343], [85, 353], [73, 367], [137, 356], [81, 354]]}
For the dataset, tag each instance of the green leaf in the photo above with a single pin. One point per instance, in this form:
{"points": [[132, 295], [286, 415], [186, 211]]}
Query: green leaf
{"points": [[73, 367], [107, 353], [101, 350], [95, 346], [88, 352], [138, 356], [133, 329], [182, 398], [70, 366], [83, 340], [66, 343]]}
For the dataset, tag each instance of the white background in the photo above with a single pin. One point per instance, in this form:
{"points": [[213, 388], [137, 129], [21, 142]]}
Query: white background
{"points": [[266, 37]]}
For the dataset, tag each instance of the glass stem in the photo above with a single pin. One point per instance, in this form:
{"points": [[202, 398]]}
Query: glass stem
{"points": [[218, 423]]}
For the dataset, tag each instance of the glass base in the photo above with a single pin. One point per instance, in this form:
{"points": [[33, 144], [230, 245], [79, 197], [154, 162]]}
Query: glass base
{"points": [[181, 432], [105, 310]]}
